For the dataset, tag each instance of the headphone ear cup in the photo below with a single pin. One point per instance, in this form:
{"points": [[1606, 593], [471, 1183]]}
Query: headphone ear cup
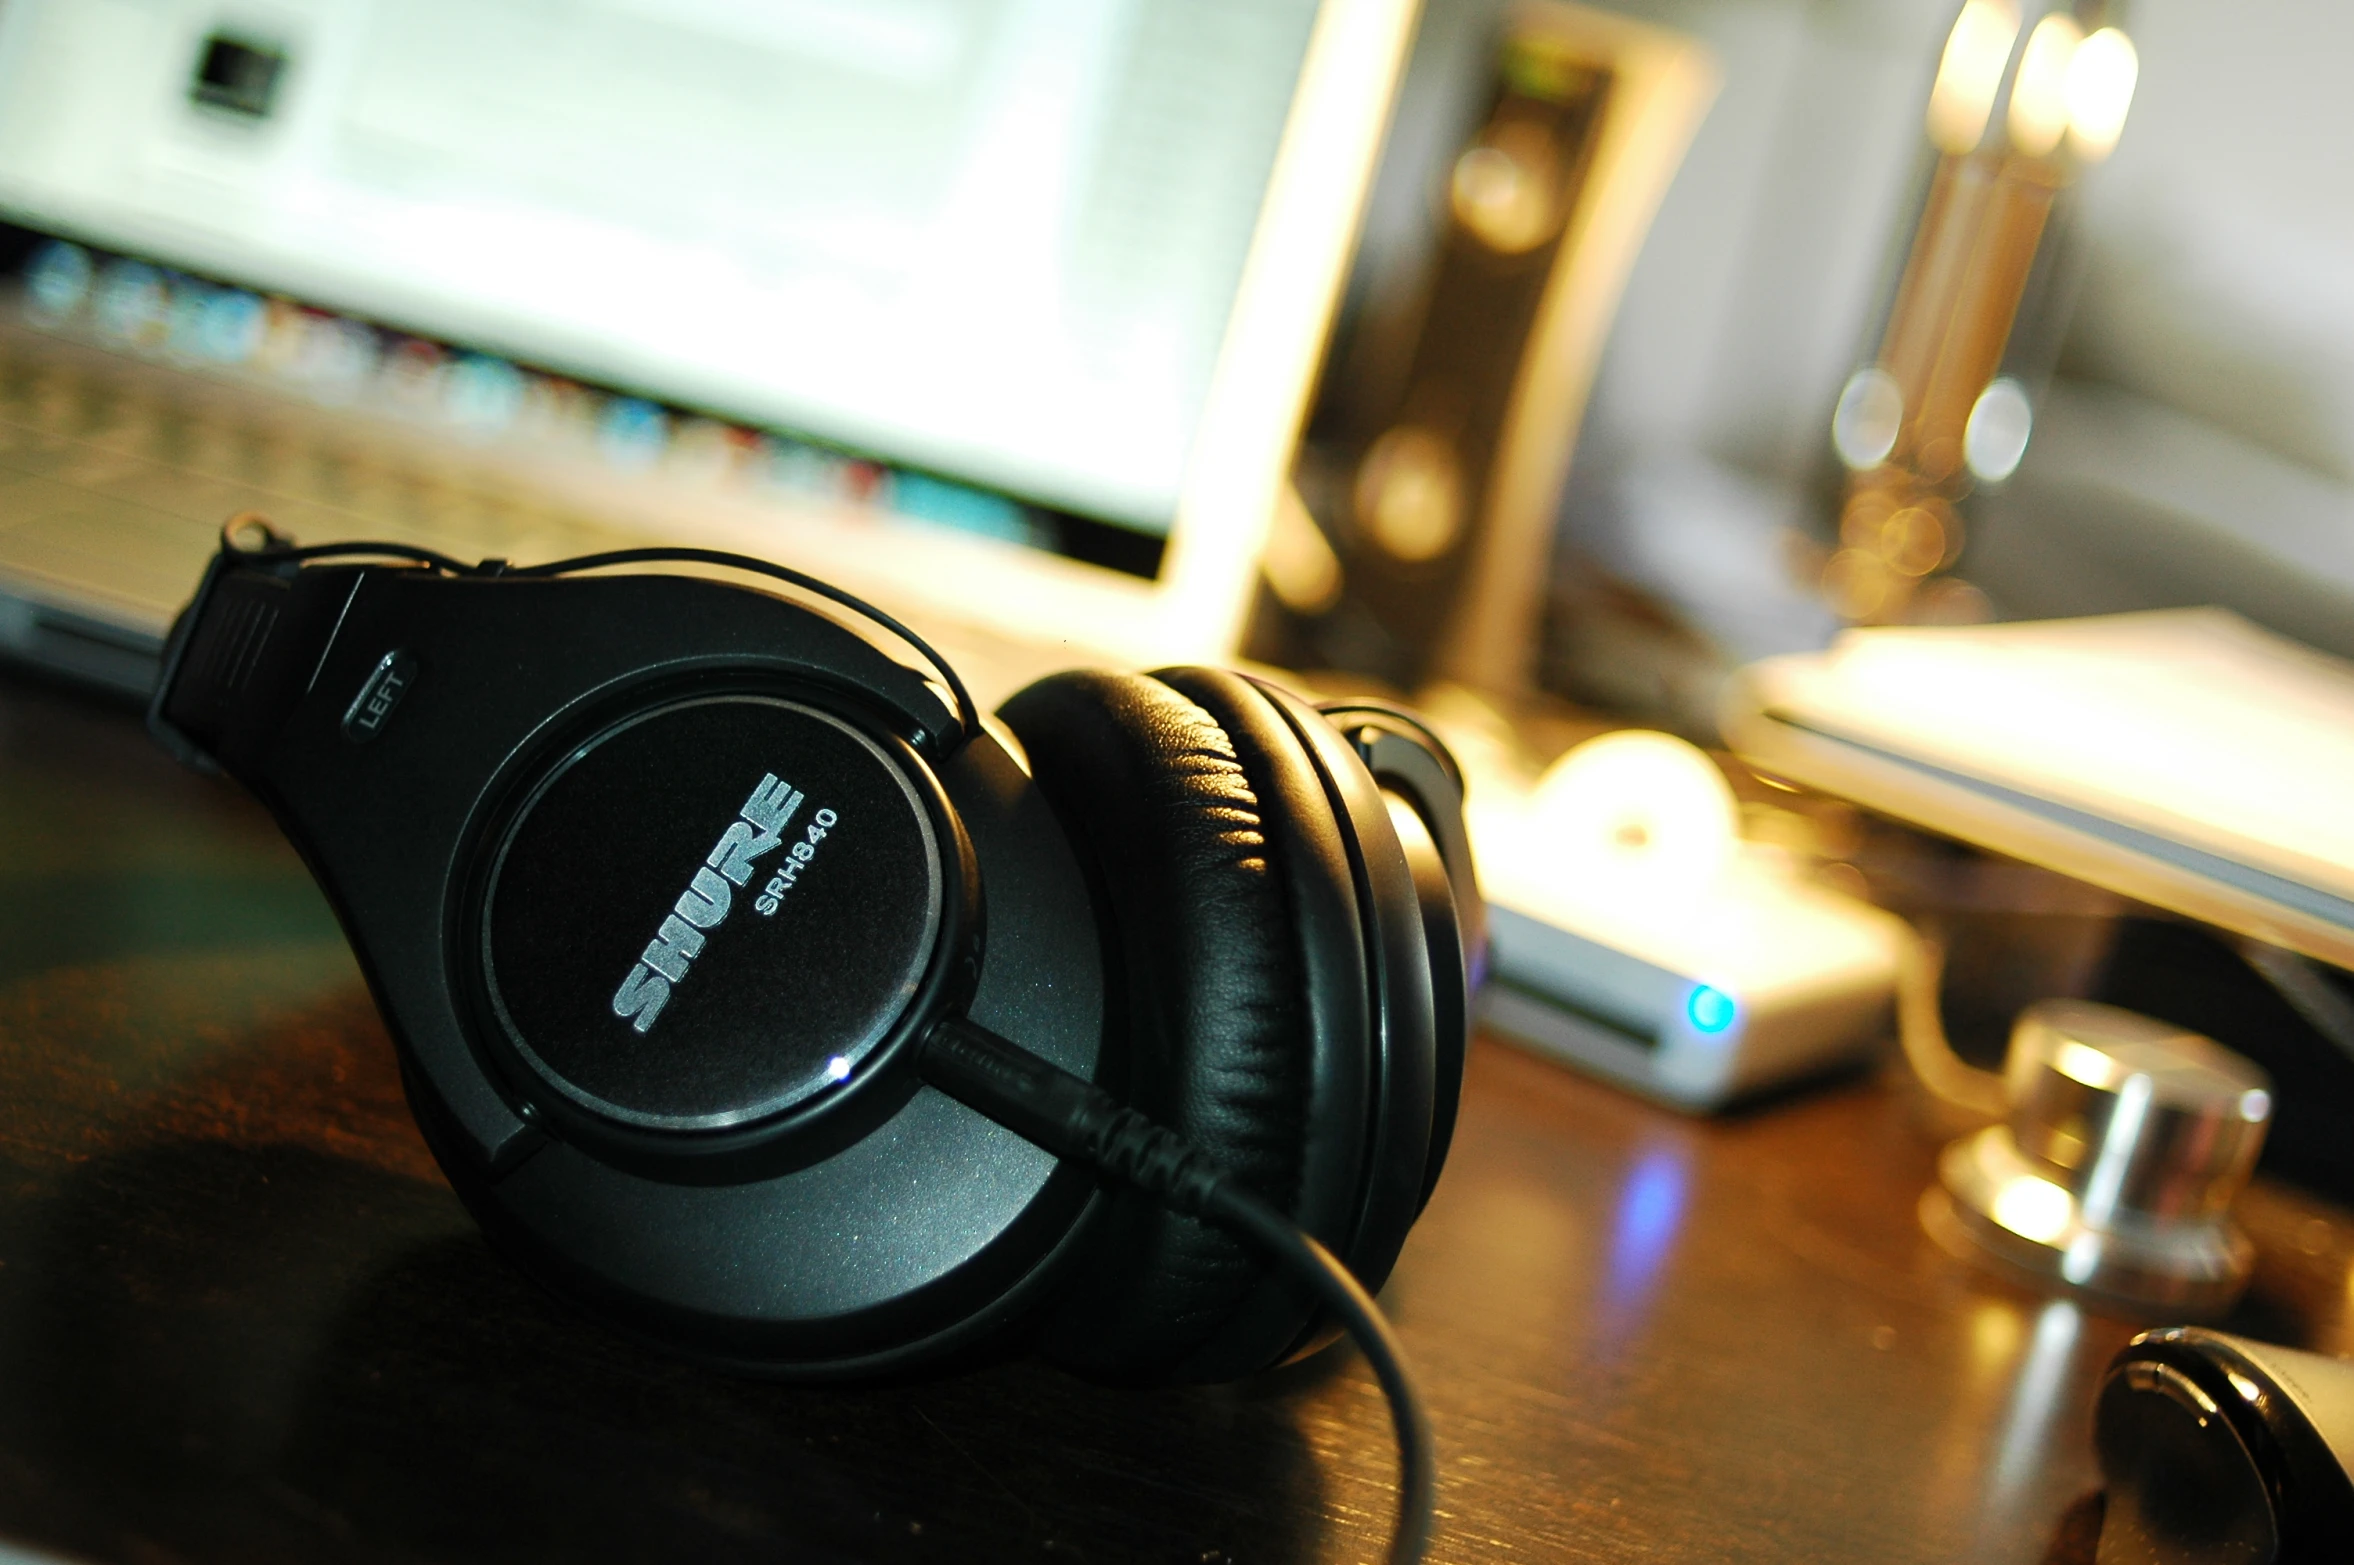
{"points": [[1207, 1009], [1374, 1032], [1415, 771]]}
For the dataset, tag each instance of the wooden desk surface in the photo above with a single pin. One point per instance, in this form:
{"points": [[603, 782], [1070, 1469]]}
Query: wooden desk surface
{"points": [[242, 1320]]}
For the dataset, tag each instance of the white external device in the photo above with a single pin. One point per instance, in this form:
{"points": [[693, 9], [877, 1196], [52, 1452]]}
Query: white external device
{"points": [[1635, 936]]}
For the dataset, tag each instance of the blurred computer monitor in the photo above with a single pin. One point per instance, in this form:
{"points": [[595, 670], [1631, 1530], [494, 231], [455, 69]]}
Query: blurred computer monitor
{"points": [[1060, 267]]}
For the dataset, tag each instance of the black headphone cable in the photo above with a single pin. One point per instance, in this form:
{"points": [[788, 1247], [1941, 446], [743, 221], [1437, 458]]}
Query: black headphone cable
{"points": [[1075, 1119]]}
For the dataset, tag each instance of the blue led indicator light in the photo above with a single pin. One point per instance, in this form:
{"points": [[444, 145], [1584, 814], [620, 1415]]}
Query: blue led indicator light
{"points": [[1711, 1010]]}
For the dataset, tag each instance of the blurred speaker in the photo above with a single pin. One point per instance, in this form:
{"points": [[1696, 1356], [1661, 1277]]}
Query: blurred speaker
{"points": [[1425, 487]]}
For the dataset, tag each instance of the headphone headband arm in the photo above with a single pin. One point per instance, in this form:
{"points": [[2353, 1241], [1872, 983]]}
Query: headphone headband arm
{"points": [[232, 654], [968, 714], [183, 746], [199, 625], [278, 556]]}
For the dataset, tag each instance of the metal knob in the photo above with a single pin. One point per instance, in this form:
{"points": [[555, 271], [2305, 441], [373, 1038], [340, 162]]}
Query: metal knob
{"points": [[2115, 1169]]}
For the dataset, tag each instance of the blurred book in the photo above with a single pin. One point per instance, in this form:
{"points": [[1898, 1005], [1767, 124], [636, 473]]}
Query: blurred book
{"points": [[2184, 756]]}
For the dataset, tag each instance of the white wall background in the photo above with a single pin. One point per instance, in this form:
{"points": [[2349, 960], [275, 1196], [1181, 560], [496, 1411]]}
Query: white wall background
{"points": [[2221, 279]]}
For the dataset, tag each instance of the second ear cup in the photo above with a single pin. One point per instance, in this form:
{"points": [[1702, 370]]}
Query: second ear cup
{"points": [[1326, 784], [1210, 861]]}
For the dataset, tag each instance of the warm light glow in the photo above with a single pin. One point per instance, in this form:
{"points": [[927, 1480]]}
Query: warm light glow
{"points": [[1970, 73], [2034, 1209], [2100, 90], [2039, 96], [2083, 1063], [1855, 583], [1409, 494], [1507, 190], [1994, 1337], [1299, 564], [1912, 541], [1645, 812]]}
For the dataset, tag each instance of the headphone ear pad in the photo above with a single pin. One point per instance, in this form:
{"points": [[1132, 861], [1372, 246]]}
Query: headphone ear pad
{"points": [[1207, 1007]]}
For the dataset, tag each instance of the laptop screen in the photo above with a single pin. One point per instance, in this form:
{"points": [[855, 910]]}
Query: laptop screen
{"points": [[996, 239]]}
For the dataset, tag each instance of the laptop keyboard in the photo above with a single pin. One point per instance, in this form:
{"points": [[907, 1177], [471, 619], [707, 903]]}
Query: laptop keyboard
{"points": [[116, 475], [121, 481], [115, 478]]}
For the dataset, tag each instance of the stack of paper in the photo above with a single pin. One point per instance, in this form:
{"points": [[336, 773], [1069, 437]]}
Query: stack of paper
{"points": [[2183, 756]]}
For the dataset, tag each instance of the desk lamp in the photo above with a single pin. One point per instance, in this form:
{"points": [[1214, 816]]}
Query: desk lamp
{"points": [[2016, 115]]}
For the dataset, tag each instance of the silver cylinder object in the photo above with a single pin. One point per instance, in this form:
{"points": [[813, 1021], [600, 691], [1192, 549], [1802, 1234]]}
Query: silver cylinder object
{"points": [[2115, 1168]]}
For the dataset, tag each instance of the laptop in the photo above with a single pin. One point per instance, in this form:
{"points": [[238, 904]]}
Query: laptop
{"points": [[1001, 312]]}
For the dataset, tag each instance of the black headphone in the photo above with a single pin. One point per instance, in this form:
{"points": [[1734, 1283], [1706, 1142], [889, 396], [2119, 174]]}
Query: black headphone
{"points": [[664, 883]]}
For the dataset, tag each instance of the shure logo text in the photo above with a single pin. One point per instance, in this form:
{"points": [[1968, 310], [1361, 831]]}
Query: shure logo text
{"points": [[704, 904]]}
